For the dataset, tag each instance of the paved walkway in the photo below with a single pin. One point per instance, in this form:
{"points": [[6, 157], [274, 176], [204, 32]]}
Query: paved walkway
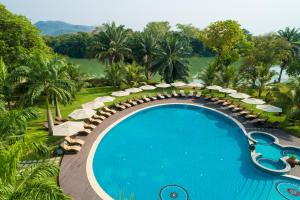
{"points": [[73, 178]]}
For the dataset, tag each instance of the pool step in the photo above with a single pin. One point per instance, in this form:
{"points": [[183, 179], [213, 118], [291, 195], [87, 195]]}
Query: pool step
{"points": [[256, 189]]}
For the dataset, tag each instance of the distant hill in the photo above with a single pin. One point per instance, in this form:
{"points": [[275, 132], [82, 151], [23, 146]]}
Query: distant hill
{"points": [[58, 28]]}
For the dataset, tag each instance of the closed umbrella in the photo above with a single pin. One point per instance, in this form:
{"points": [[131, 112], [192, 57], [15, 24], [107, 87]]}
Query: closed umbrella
{"points": [[93, 105], [195, 85], [163, 85], [68, 128], [239, 95], [178, 84], [269, 108], [80, 114], [105, 99], [120, 93], [227, 91], [253, 101], [214, 87], [133, 90], [147, 87]]}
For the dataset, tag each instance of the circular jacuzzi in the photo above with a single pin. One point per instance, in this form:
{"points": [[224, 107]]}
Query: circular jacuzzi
{"points": [[289, 191], [272, 164]]}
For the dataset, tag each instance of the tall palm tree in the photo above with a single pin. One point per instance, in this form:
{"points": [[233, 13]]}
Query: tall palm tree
{"points": [[111, 43], [35, 182], [172, 62], [146, 51], [292, 36], [44, 82]]}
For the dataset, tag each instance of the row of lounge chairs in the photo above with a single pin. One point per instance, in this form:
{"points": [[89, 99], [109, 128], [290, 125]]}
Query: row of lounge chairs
{"points": [[144, 99], [74, 144], [239, 111]]}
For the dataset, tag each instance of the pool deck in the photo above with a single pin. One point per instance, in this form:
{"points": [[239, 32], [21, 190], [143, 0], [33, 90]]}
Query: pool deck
{"points": [[73, 178]]}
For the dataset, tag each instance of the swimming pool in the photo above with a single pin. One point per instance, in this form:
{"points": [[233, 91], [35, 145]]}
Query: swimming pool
{"points": [[180, 152]]}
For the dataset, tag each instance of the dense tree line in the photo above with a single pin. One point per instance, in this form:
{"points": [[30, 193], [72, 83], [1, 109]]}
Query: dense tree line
{"points": [[77, 45]]}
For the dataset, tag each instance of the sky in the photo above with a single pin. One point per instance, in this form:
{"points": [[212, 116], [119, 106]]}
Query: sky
{"points": [[258, 16]]}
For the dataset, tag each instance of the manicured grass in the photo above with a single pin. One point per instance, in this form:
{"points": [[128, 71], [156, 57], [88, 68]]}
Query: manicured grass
{"points": [[93, 68], [89, 94]]}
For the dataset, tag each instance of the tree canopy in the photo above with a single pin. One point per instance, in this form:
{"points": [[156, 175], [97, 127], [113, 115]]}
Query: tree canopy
{"points": [[18, 38]]}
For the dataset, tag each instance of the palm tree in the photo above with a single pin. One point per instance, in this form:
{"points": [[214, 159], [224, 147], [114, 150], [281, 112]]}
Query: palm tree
{"points": [[133, 75], [111, 43], [63, 71], [14, 122], [264, 76], [114, 75], [172, 62], [44, 82], [292, 36], [146, 51], [35, 182], [227, 76], [208, 74]]}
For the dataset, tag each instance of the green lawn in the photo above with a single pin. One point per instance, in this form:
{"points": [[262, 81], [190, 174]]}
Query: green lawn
{"points": [[89, 94], [93, 68]]}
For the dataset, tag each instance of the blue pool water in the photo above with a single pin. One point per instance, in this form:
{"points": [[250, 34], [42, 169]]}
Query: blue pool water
{"points": [[202, 152], [265, 145]]}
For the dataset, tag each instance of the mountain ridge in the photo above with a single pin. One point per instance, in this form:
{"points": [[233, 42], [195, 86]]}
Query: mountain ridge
{"points": [[55, 28]]}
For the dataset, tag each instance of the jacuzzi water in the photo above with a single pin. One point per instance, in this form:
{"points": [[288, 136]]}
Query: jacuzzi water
{"points": [[199, 151], [265, 145]]}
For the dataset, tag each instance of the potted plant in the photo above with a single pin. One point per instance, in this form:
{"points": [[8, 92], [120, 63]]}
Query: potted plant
{"points": [[292, 160]]}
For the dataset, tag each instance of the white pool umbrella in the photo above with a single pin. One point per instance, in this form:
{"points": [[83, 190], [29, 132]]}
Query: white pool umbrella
{"points": [[147, 87], [163, 85], [82, 114], [93, 105], [214, 87], [68, 128], [133, 90], [195, 85], [269, 108], [227, 91], [253, 101], [105, 99], [178, 84], [120, 93], [239, 95]]}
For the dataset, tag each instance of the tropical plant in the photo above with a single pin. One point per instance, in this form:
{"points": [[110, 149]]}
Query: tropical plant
{"points": [[208, 74], [14, 122], [133, 75], [292, 51], [114, 75], [292, 98], [229, 77], [34, 182], [145, 51], [46, 82], [111, 44], [172, 62], [264, 76]]}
